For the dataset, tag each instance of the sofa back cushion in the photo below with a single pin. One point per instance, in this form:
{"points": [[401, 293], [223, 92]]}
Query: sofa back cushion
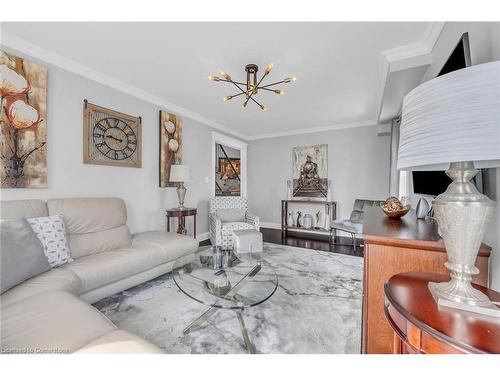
{"points": [[94, 225], [22, 208]]}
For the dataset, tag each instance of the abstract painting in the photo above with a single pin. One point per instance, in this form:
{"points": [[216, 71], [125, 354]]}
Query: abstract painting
{"points": [[170, 146], [23, 123]]}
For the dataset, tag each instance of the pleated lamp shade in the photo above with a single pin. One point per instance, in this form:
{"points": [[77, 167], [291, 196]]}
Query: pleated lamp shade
{"points": [[179, 173], [454, 117]]}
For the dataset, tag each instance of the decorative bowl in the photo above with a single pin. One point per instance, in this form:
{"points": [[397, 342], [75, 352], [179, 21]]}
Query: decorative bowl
{"points": [[396, 214]]}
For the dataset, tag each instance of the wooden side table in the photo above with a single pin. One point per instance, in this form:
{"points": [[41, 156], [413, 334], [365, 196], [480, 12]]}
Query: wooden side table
{"points": [[180, 214], [422, 327]]}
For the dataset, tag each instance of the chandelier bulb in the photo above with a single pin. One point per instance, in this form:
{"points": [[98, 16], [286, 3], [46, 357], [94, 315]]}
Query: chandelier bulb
{"points": [[263, 108], [244, 105], [279, 92], [213, 78], [269, 68], [225, 75], [229, 97], [290, 79]]}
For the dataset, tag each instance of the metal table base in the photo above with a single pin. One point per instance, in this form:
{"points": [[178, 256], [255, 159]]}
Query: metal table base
{"points": [[209, 313]]}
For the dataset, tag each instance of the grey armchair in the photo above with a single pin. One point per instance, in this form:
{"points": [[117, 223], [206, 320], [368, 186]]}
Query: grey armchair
{"points": [[354, 225]]}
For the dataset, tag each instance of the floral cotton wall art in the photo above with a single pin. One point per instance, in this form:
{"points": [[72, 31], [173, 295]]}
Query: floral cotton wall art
{"points": [[23, 123], [170, 146]]}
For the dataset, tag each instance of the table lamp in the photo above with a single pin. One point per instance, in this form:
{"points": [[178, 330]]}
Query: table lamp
{"points": [[453, 122], [180, 173]]}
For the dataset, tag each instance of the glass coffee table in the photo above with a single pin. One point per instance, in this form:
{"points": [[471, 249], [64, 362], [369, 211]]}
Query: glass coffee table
{"points": [[238, 282]]}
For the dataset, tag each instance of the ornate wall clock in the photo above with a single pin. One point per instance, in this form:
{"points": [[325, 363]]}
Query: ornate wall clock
{"points": [[110, 137]]}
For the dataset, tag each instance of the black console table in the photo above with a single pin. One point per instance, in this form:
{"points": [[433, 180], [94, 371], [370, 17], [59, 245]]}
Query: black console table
{"points": [[297, 230]]}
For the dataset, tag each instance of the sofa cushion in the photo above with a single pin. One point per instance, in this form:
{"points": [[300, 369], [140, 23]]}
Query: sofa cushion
{"points": [[119, 342], [91, 217], [54, 322], [51, 232], [172, 245], [21, 254], [92, 243], [53, 280], [98, 270], [23, 208]]}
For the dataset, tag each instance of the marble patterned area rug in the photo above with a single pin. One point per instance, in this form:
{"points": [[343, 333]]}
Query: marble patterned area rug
{"points": [[316, 309]]}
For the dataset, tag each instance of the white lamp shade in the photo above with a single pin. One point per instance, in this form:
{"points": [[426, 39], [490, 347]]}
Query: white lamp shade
{"points": [[454, 117], [179, 173]]}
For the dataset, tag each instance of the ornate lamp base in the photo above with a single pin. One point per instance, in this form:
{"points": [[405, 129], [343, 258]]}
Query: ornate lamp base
{"points": [[462, 214], [181, 193]]}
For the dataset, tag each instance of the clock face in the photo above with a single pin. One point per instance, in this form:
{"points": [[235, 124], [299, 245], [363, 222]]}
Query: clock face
{"points": [[114, 138], [110, 137]]}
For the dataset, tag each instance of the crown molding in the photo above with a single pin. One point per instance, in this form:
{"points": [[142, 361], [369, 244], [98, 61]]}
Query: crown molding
{"points": [[29, 49], [406, 57], [358, 124]]}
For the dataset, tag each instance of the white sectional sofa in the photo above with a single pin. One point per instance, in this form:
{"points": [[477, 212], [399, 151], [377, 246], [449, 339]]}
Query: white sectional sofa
{"points": [[51, 313]]}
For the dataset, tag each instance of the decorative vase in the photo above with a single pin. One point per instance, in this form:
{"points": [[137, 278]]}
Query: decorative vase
{"points": [[422, 208], [299, 219], [289, 220], [289, 189], [326, 226], [308, 221]]}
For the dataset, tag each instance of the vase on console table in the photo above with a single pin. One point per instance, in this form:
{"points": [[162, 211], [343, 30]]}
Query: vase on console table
{"points": [[289, 220], [326, 225]]}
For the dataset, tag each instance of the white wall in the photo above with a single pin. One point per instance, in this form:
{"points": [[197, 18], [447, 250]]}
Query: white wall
{"points": [[69, 177], [358, 165]]}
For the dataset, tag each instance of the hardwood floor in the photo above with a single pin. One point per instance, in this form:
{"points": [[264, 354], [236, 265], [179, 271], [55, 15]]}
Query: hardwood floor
{"points": [[311, 242]]}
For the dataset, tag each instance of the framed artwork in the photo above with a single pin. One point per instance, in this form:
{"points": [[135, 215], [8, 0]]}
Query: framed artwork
{"points": [[23, 123], [170, 145], [110, 137], [226, 171], [310, 172]]}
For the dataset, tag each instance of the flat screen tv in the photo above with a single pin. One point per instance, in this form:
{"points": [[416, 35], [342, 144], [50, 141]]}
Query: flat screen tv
{"points": [[436, 182]]}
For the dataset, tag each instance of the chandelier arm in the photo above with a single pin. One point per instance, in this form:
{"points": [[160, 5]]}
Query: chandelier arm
{"points": [[236, 82], [239, 88], [265, 88], [256, 102], [272, 84], [235, 95]]}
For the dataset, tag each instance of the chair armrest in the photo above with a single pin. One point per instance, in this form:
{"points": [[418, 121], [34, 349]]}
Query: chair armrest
{"points": [[252, 219], [215, 228]]}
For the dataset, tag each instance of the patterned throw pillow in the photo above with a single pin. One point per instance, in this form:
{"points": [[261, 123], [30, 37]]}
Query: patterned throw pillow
{"points": [[51, 232]]}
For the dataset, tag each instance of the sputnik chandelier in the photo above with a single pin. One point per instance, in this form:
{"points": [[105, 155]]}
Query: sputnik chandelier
{"points": [[252, 86]]}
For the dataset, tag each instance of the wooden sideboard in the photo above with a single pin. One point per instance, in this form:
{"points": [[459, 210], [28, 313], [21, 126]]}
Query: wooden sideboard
{"points": [[421, 327], [395, 246]]}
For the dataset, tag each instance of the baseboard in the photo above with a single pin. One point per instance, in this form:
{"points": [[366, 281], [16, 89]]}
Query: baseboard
{"points": [[203, 236], [268, 224]]}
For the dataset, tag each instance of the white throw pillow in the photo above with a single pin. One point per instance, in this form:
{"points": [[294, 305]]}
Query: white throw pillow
{"points": [[51, 232]]}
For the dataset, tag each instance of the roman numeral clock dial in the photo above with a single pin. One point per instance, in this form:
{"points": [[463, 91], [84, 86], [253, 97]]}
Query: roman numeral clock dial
{"points": [[111, 138]]}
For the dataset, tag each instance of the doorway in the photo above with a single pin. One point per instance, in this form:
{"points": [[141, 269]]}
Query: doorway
{"points": [[229, 166]]}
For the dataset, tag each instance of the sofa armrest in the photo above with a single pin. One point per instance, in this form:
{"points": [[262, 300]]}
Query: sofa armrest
{"points": [[252, 219]]}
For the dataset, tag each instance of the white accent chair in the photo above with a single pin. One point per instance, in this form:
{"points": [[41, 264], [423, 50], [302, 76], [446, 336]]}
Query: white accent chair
{"points": [[221, 233]]}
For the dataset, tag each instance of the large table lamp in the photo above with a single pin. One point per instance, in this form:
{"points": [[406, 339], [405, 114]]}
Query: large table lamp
{"points": [[180, 173], [453, 122]]}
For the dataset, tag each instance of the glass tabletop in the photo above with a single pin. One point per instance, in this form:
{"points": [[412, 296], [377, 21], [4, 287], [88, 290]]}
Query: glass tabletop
{"points": [[242, 281]]}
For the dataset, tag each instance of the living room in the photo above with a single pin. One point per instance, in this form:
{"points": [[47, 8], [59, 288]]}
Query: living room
{"points": [[295, 202]]}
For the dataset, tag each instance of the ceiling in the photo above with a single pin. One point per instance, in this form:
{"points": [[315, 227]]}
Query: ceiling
{"points": [[343, 70]]}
